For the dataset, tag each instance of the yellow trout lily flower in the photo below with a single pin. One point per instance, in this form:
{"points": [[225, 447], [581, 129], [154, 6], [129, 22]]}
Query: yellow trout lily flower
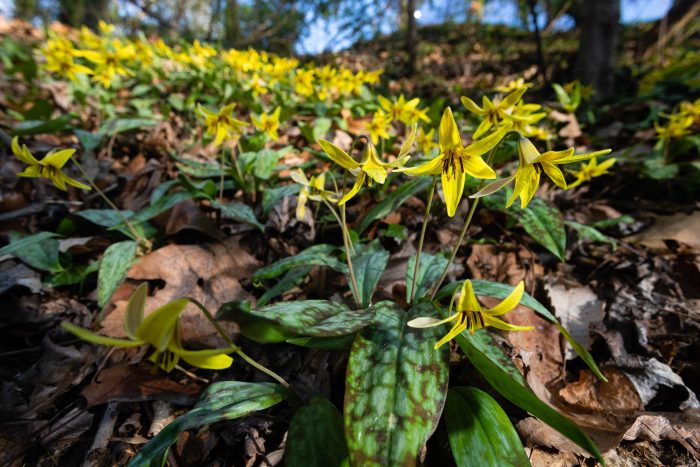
{"points": [[514, 85], [493, 112], [370, 165], [425, 140], [470, 315], [159, 329], [400, 110], [49, 167], [378, 126], [268, 123], [532, 165], [456, 161], [587, 172], [221, 124], [311, 189]]}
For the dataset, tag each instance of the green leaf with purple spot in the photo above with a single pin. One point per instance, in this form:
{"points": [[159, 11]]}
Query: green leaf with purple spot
{"points": [[395, 387]]}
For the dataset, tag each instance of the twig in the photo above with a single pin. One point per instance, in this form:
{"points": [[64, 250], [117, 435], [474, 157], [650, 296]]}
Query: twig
{"points": [[98, 450]]}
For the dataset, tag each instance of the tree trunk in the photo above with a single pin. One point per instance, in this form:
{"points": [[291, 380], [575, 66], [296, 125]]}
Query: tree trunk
{"points": [[71, 12], [600, 24], [25, 9], [232, 24], [411, 37], [96, 10]]}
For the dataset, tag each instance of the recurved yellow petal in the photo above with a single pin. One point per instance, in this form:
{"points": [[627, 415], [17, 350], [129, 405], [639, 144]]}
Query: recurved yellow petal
{"points": [[508, 303], [86, 335], [471, 105], [338, 156], [500, 324], [209, 359], [555, 174], [159, 327], [58, 159], [527, 151], [430, 167], [426, 322], [133, 313], [484, 145], [467, 298], [476, 167], [355, 188], [583, 157], [455, 331]]}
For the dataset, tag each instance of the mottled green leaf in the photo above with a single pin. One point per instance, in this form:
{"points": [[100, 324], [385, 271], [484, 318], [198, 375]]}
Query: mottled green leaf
{"points": [[239, 212], [431, 266], [523, 397], [586, 232], [394, 200], [115, 263], [226, 400], [315, 437], [35, 127], [495, 289], [543, 222], [40, 250], [395, 388], [311, 318], [272, 196], [20, 242], [368, 266], [291, 278], [480, 433], [120, 125], [317, 255]]}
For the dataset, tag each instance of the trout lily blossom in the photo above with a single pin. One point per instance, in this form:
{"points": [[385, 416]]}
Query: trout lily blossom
{"points": [[311, 189], [455, 161], [592, 169], [221, 124], [493, 112], [470, 315], [159, 329], [370, 165], [49, 167], [531, 165]]}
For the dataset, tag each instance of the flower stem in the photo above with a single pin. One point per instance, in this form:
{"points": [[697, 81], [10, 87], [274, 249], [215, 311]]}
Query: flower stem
{"points": [[465, 227], [144, 241], [234, 347], [467, 222], [346, 245], [426, 216]]}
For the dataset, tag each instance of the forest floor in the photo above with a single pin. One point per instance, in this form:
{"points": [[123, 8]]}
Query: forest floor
{"points": [[630, 293]]}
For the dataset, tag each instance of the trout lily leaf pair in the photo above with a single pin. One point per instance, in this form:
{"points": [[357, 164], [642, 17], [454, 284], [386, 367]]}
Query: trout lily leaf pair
{"points": [[470, 315], [49, 167], [161, 330], [455, 161], [370, 166], [531, 165]]}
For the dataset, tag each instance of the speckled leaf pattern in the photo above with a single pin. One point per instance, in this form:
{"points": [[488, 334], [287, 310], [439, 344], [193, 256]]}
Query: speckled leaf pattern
{"points": [[315, 437], [480, 433], [317, 255], [369, 267], [225, 400], [395, 388], [543, 222], [315, 318]]}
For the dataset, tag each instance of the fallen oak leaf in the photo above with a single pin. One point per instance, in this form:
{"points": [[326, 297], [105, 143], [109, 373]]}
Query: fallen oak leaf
{"points": [[209, 273]]}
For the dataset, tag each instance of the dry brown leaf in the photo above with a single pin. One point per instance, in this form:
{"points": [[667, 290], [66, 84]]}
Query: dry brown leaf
{"points": [[209, 273], [682, 228], [589, 393]]}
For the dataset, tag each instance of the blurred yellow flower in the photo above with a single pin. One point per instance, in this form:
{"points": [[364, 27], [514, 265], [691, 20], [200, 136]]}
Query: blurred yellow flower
{"points": [[221, 124], [268, 123], [588, 171], [49, 167]]}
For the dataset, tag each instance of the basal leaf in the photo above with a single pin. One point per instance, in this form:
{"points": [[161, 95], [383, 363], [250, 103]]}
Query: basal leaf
{"points": [[480, 433], [395, 388], [317, 255], [291, 278], [368, 266], [310, 318], [543, 222], [115, 263], [523, 397], [40, 250], [272, 196], [315, 437], [226, 400], [430, 268], [393, 201], [239, 212]]}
